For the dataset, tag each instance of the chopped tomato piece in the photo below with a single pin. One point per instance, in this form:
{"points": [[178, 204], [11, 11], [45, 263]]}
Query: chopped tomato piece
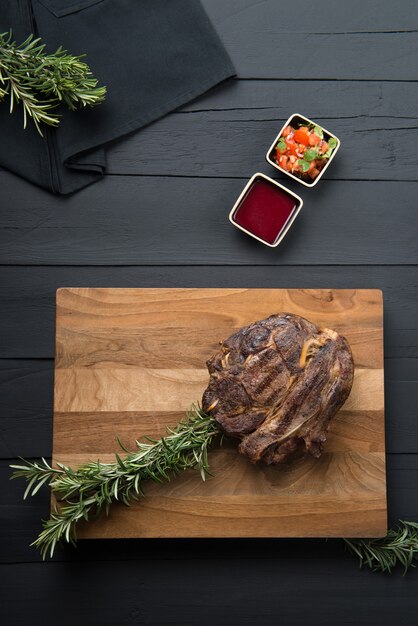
{"points": [[283, 161], [301, 137], [314, 140], [302, 151], [292, 147]]}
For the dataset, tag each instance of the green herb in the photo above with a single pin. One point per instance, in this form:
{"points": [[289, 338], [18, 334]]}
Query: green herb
{"points": [[310, 155], [281, 145], [332, 144], [90, 489], [305, 165], [318, 131], [400, 546], [327, 154], [41, 81]]}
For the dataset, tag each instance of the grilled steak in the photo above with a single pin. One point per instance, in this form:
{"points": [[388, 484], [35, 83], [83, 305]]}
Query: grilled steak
{"points": [[276, 384]]}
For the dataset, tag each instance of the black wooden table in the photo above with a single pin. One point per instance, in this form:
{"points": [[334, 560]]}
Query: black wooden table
{"points": [[159, 218]]}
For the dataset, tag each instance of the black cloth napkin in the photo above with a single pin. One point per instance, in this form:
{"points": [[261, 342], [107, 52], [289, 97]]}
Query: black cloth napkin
{"points": [[152, 55]]}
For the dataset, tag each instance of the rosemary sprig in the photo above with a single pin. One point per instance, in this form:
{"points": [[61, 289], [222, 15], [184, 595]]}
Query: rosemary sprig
{"points": [[85, 492], [94, 486], [400, 546], [41, 80]]}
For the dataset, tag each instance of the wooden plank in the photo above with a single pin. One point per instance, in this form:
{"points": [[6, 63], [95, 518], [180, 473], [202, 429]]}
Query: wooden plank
{"points": [[346, 485], [89, 344], [26, 411], [92, 323], [27, 330], [97, 428], [326, 17], [234, 146], [27, 316], [25, 516], [154, 593], [176, 388], [26, 390], [262, 100], [153, 221], [236, 124], [327, 40], [233, 572], [228, 132]]}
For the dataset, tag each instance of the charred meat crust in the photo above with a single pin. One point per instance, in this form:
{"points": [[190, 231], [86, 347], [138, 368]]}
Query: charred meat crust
{"points": [[276, 384]]}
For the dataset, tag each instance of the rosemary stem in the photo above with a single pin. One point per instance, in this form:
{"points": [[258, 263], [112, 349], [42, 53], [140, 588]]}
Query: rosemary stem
{"points": [[94, 486], [400, 546], [87, 491], [40, 81]]}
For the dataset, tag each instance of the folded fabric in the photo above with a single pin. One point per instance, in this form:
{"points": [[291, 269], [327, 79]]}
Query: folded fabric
{"points": [[152, 55]]}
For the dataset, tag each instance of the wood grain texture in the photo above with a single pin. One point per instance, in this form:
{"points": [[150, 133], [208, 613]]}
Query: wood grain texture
{"points": [[27, 316], [240, 120], [245, 137], [304, 40], [26, 425], [241, 587], [261, 100], [325, 17], [234, 582], [27, 336], [164, 220], [24, 517], [130, 361], [237, 122]]}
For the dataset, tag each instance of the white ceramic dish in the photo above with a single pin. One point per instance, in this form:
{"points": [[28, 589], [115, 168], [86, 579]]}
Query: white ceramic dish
{"points": [[285, 228], [298, 118]]}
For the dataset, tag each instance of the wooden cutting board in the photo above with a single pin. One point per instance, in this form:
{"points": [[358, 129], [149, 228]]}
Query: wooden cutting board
{"points": [[130, 361]]}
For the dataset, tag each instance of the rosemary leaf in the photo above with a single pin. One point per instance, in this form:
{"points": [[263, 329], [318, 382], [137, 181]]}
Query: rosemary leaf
{"points": [[400, 546], [40, 81], [90, 489]]}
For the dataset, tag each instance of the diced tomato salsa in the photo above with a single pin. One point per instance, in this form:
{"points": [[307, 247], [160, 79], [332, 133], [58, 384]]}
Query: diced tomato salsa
{"points": [[303, 151]]}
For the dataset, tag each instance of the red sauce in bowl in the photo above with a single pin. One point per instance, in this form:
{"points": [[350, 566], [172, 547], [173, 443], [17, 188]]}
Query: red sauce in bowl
{"points": [[265, 210]]}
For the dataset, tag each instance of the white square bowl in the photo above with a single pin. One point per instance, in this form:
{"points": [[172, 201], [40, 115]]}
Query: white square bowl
{"points": [[289, 221], [272, 149]]}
